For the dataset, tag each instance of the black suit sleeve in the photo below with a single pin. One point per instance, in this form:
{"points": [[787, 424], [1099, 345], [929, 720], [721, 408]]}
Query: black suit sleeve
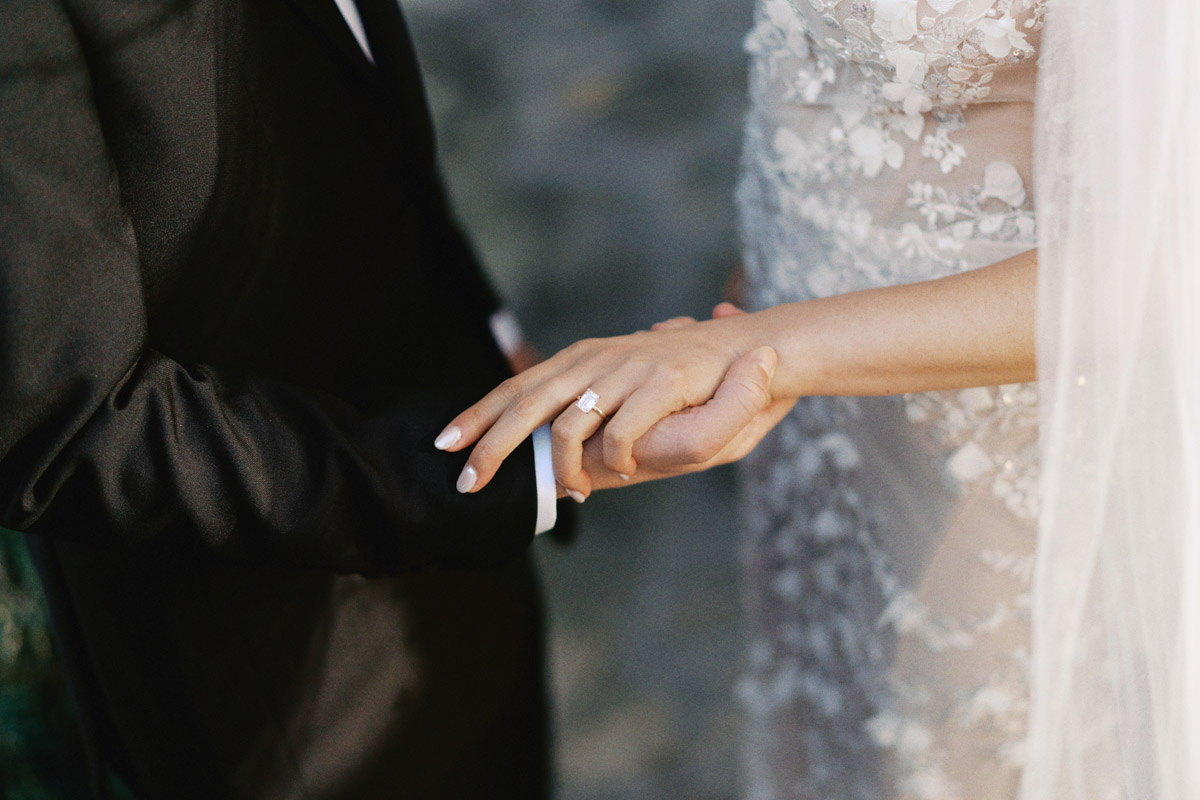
{"points": [[102, 438]]}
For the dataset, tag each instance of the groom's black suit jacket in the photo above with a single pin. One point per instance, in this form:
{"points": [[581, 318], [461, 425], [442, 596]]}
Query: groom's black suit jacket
{"points": [[234, 313]]}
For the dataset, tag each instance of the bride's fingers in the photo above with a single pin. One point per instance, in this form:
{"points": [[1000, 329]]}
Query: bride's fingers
{"points": [[673, 322], [520, 416], [700, 434], [574, 426], [726, 309], [469, 425], [649, 403]]}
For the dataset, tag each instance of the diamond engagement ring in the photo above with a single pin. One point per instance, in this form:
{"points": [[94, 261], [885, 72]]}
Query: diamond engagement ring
{"points": [[587, 402]]}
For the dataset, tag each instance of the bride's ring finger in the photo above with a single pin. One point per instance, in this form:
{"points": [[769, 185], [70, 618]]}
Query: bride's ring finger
{"points": [[574, 426], [523, 414], [586, 403]]}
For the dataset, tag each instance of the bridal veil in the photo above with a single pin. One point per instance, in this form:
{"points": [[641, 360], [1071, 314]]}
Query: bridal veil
{"points": [[1116, 647]]}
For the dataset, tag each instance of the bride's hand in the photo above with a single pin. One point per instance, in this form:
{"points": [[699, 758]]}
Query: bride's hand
{"points": [[639, 380], [724, 429]]}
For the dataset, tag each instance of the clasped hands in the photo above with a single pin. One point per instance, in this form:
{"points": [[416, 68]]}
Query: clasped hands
{"points": [[681, 397]]}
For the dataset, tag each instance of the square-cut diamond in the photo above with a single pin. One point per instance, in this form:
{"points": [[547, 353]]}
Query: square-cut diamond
{"points": [[587, 401]]}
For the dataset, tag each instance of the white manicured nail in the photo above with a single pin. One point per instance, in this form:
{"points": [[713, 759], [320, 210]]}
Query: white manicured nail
{"points": [[447, 438], [466, 481], [622, 476], [576, 496]]}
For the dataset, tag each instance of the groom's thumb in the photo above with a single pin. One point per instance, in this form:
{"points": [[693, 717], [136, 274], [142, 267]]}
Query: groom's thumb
{"points": [[699, 434], [746, 389]]}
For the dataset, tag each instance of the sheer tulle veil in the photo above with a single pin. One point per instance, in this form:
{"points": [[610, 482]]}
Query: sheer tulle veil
{"points": [[1116, 645]]}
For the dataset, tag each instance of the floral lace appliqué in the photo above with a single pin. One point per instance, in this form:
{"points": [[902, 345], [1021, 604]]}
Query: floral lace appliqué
{"points": [[864, 167]]}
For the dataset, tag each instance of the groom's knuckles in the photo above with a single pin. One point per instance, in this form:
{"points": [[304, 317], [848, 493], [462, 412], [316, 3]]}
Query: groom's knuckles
{"points": [[712, 432], [678, 441], [700, 444], [709, 429]]}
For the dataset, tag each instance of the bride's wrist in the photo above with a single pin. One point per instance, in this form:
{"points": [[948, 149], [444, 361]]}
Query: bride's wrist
{"points": [[782, 327]]}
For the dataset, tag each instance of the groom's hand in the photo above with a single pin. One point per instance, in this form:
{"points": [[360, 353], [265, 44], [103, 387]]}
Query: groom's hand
{"points": [[723, 430]]}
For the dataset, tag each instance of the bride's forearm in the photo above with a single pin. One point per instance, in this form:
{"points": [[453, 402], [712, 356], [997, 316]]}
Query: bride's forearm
{"points": [[971, 329]]}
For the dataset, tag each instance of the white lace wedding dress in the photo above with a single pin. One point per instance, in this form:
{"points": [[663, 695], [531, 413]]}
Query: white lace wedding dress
{"points": [[890, 541]]}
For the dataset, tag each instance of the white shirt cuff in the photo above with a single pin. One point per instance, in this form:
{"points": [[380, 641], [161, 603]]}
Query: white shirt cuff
{"points": [[547, 492], [506, 331]]}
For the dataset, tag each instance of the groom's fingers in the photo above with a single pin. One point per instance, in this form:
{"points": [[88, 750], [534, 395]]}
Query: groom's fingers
{"points": [[659, 394], [700, 434], [744, 390]]}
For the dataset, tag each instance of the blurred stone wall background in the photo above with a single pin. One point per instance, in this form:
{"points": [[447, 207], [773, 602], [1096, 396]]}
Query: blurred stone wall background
{"points": [[591, 148]]}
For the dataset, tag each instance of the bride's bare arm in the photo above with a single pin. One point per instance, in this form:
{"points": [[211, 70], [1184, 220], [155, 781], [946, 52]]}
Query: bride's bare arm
{"points": [[971, 329]]}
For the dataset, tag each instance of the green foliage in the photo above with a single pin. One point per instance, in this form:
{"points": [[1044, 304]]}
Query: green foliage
{"points": [[40, 756]]}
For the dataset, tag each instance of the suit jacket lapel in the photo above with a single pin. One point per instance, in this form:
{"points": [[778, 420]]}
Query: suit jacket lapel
{"points": [[397, 64], [396, 71], [330, 26]]}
